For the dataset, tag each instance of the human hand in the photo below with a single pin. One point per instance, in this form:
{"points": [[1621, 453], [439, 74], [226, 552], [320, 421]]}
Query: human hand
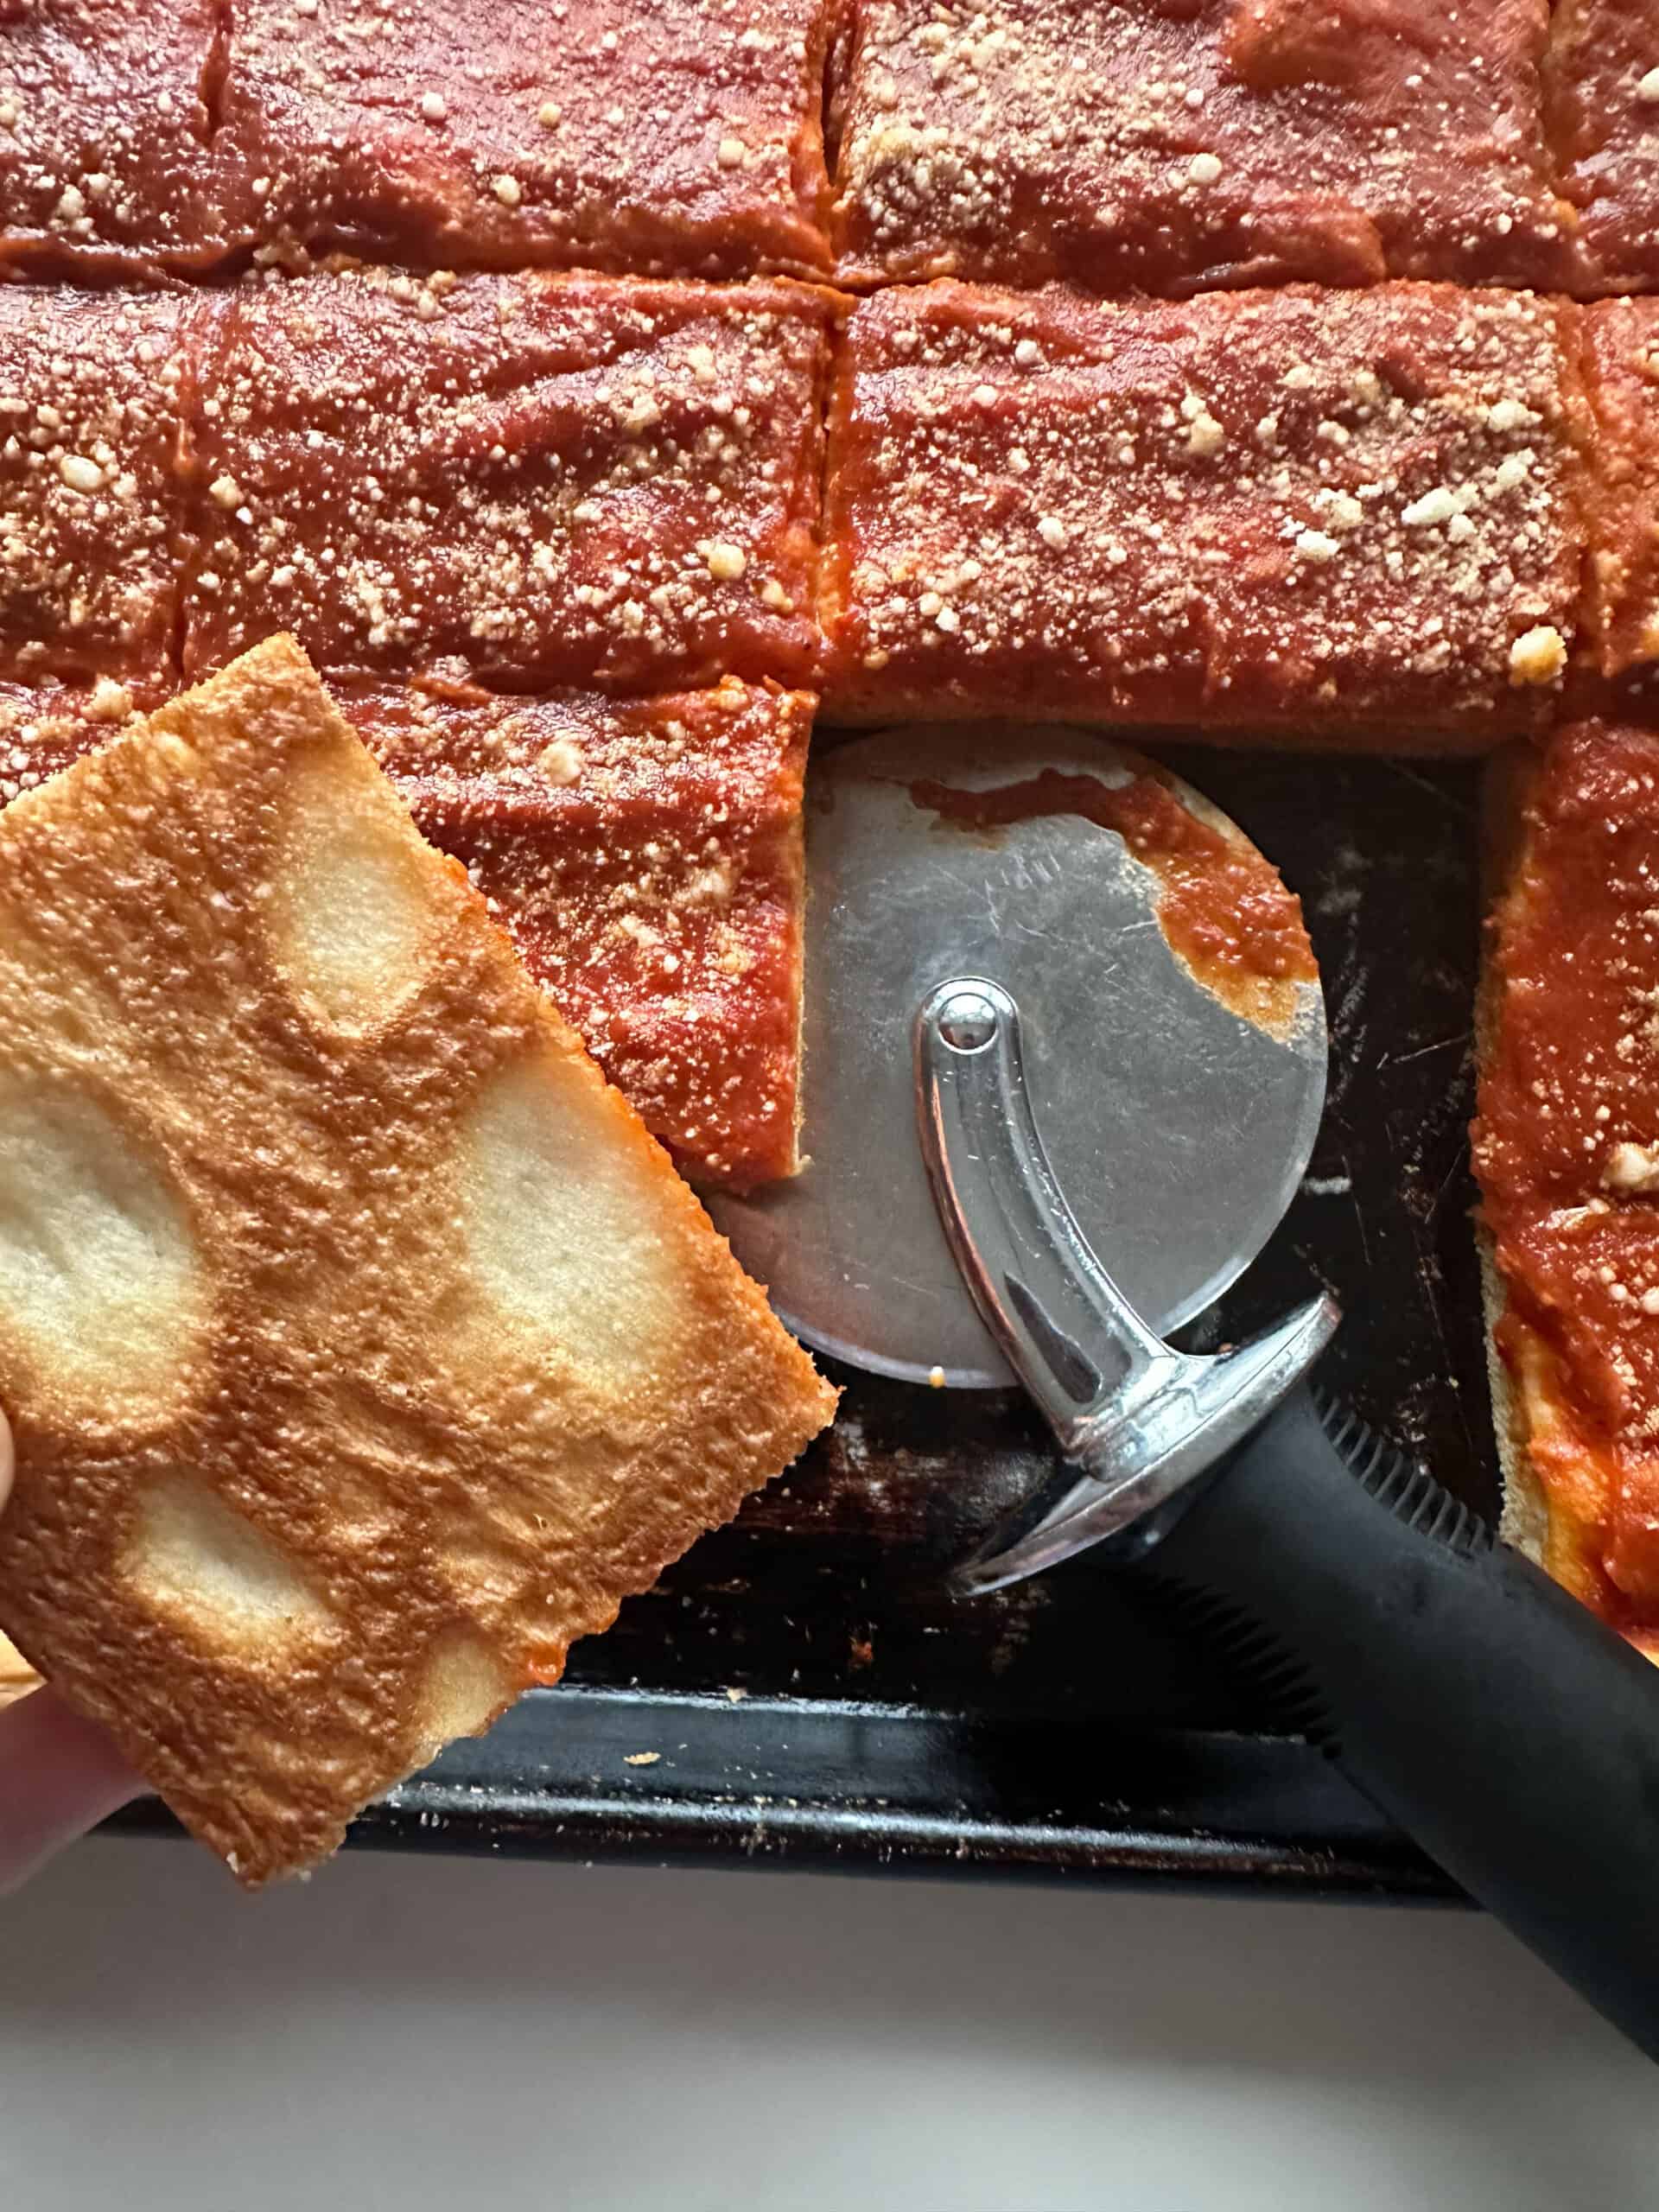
{"points": [[58, 1775]]}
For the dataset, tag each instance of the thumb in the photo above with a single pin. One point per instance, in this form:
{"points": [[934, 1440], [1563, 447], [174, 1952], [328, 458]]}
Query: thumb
{"points": [[59, 1774]]}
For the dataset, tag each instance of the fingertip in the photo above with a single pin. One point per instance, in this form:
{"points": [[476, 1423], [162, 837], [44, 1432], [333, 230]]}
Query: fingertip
{"points": [[60, 1775]]}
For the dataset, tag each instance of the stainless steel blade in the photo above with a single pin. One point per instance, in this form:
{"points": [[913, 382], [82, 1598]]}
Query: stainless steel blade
{"points": [[1178, 1129]]}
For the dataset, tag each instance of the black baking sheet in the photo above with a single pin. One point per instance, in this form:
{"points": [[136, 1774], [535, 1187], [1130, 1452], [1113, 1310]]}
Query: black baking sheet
{"points": [[802, 1690]]}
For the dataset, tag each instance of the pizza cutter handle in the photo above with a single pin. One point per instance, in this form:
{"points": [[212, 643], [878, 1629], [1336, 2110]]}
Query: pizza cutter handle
{"points": [[1482, 1709]]}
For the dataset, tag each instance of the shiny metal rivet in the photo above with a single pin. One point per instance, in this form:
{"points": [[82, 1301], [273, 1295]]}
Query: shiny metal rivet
{"points": [[968, 1021]]}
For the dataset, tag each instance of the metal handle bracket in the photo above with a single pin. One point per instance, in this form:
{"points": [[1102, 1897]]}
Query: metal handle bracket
{"points": [[1138, 1421]]}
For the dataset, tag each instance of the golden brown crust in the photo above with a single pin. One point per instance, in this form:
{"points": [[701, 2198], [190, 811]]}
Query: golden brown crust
{"points": [[1327, 515], [645, 853], [362, 1349], [17, 1677]]}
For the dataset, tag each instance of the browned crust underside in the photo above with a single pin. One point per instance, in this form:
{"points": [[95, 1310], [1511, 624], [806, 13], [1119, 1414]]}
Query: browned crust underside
{"points": [[453, 1473]]}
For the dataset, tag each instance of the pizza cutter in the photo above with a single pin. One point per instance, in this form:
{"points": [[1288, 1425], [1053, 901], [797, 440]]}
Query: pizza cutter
{"points": [[1039, 1142]]}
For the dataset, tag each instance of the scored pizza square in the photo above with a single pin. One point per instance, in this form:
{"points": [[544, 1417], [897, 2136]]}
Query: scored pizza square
{"points": [[94, 496], [1327, 514], [1602, 122], [1567, 1153], [105, 129], [363, 1350], [646, 856], [532, 478], [676, 139], [1621, 595], [1137, 145]]}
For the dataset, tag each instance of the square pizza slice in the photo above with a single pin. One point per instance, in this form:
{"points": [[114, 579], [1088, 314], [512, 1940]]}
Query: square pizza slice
{"points": [[647, 857], [1132, 145], [1326, 514], [1601, 78], [361, 1347], [1567, 1152], [106, 117], [532, 478], [94, 502], [676, 138], [1621, 600]]}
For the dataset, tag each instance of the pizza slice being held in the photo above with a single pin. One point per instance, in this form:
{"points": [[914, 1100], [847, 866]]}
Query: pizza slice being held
{"points": [[362, 1348]]}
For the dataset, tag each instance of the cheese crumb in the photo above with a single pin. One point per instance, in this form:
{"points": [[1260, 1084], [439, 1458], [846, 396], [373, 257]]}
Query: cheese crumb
{"points": [[726, 562], [80, 473], [731, 153], [1205, 436], [1647, 87], [508, 191], [1436, 506], [111, 702], [561, 760], [1632, 1168], [1538, 656], [1314, 545], [1204, 168], [548, 115], [226, 490], [1052, 532], [434, 106]]}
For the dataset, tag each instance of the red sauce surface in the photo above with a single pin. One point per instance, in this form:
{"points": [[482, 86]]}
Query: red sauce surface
{"points": [[528, 479], [1569, 1109], [621, 167], [1217, 513], [1222, 909], [646, 856], [93, 498], [1031, 140], [1599, 130], [1620, 363]]}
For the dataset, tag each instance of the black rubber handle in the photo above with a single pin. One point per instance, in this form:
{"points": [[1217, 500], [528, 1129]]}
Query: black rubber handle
{"points": [[1482, 1708]]}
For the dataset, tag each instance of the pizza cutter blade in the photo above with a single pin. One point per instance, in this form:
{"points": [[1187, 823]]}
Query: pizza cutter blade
{"points": [[956, 874], [1178, 1131], [1040, 1140]]}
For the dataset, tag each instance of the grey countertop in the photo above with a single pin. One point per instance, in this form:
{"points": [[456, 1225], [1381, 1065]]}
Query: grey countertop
{"points": [[423, 2032]]}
